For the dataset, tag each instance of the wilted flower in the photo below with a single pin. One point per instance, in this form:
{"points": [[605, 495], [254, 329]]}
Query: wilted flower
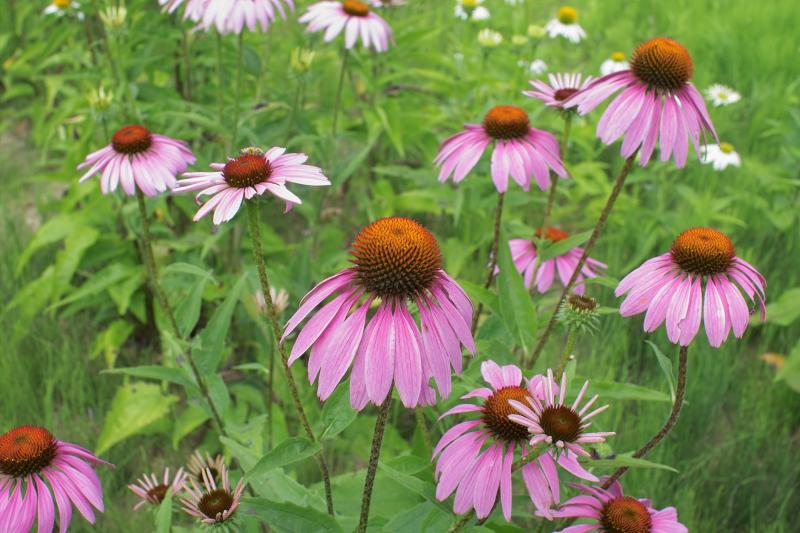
{"points": [[615, 63], [37, 470], [566, 25], [721, 95], [113, 16], [100, 99], [301, 60], [670, 287], [489, 38], [280, 299], [150, 490], [721, 156]]}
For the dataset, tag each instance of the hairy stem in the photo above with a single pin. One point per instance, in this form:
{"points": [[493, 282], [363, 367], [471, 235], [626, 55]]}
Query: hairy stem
{"points": [[258, 255], [220, 83], [498, 216], [423, 427], [238, 92], [152, 275], [372, 467], [598, 229], [572, 336], [680, 394]]}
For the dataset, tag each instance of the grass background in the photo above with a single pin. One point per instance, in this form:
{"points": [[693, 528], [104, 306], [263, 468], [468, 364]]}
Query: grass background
{"points": [[736, 444]]}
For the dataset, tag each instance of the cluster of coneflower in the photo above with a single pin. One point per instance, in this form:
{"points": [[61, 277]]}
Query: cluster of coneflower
{"points": [[396, 319]]}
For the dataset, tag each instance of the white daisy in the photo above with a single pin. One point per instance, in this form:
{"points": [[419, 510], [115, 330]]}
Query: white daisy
{"points": [[720, 156], [722, 95], [566, 25], [60, 8], [471, 10], [615, 63], [537, 66]]}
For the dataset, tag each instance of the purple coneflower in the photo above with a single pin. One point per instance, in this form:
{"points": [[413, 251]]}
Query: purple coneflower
{"points": [[252, 173], [150, 490], [520, 151], [560, 88], [670, 287], [212, 503], [658, 102], [611, 511], [231, 16], [138, 158], [40, 475], [396, 262], [523, 253], [355, 18]]}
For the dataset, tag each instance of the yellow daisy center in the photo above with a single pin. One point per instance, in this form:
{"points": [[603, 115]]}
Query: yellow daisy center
{"points": [[726, 148], [567, 15]]}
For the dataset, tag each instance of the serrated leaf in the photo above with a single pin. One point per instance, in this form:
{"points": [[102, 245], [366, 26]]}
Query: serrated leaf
{"points": [[134, 407], [290, 451]]}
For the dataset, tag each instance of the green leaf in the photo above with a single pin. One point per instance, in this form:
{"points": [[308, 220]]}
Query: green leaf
{"points": [[628, 391], [783, 311], [290, 518], [790, 371], [164, 514], [159, 373], [625, 460], [290, 451], [548, 249], [190, 419], [54, 230], [666, 367], [516, 306], [110, 340], [212, 339], [187, 268], [134, 407], [188, 311], [337, 414], [426, 489]]}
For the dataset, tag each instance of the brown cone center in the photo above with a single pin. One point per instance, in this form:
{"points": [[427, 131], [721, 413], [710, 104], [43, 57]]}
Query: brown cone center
{"points": [[246, 171], [26, 450], [582, 303], [625, 515], [215, 502], [157, 493], [703, 251], [496, 410], [563, 94], [561, 423], [355, 8], [131, 139], [396, 257], [506, 122], [662, 63], [552, 234]]}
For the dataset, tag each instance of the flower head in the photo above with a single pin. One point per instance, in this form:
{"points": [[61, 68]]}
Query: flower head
{"points": [[395, 261], [212, 502], [610, 510], [137, 158], [520, 151], [615, 63], [657, 102], [579, 313], [471, 10], [231, 16], [60, 8], [489, 38], [671, 287], [721, 156], [354, 17], [150, 490], [35, 470], [561, 87], [523, 253], [721, 95], [252, 173], [199, 462], [566, 25], [537, 66], [475, 456]]}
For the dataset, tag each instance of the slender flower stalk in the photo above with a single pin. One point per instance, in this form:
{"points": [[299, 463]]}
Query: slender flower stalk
{"points": [[338, 103], [372, 467], [258, 254], [236, 104], [220, 81], [152, 275], [572, 336], [498, 216], [598, 228], [680, 394]]}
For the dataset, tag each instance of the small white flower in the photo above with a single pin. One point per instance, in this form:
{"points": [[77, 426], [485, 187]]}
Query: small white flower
{"points": [[565, 25], [537, 66], [722, 95], [60, 8], [720, 156], [471, 10], [489, 38], [615, 63]]}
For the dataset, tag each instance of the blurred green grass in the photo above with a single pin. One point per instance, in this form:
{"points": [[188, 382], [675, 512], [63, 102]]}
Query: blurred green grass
{"points": [[737, 445]]}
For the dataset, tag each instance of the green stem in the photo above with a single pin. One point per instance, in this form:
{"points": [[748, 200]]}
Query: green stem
{"points": [[338, 103], [187, 66], [258, 255], [238, 93], [423, 427], [680, 394], [498, 216], [572, 336], [598, 229], [220, 85], [152, 275], [372, 467]]}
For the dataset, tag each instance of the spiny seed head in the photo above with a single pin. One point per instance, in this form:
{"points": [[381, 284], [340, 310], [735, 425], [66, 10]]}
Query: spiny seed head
{"points": [[215, 502], [580, 313], [506, 122], [662, 63], [396, 257], [567, 15], [625, 515], [246, 171], [561, 423], [131, 139], [582, 303], [355, 8], [703, 251], [26, 450], [496, 410], [552, 234]]}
